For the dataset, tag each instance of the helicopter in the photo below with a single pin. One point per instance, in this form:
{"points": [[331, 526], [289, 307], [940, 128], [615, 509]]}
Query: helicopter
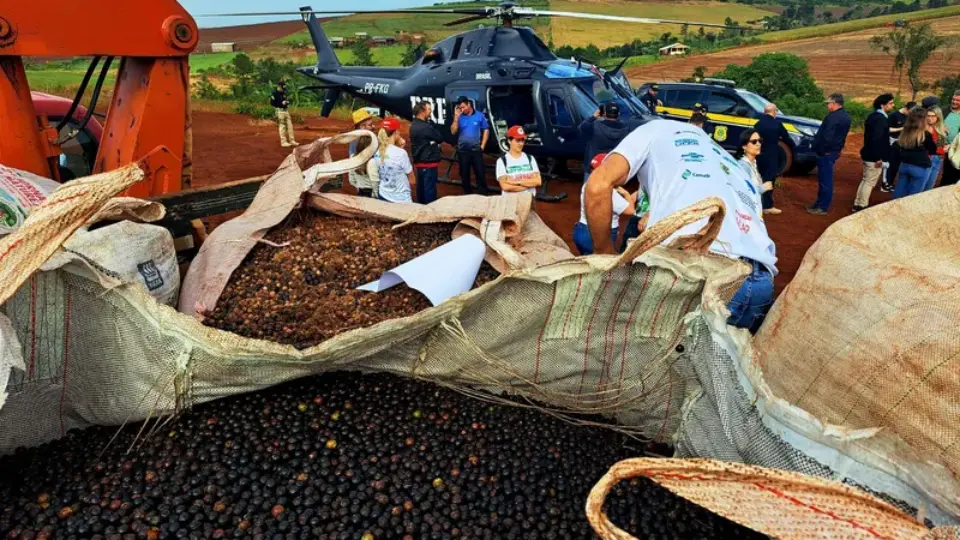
{"points": [[506, 71]]}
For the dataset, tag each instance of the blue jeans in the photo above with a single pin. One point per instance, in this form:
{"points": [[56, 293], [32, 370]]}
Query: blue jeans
{"points": [[583, 241], [911, 180], [935, 161], [752, 301], [825, 180], [426, 185]]}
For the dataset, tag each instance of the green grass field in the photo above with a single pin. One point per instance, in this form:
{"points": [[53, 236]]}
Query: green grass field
{"points": [[383, 56], [580, 32], [859, 24], [202, 61]]}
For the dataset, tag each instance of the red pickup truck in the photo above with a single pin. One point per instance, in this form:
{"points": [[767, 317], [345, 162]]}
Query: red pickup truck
{"points": [[78, 154]]}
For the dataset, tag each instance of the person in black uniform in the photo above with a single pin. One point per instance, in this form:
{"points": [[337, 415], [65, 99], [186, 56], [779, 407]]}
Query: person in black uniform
{"points": [[707, 125], [649, 99], [895, 121], [603, 132], [771, 130], [279, 101], [425, 142]]}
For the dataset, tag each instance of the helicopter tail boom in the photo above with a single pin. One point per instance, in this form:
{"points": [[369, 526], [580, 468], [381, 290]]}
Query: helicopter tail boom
{"points": [[326, 58]]}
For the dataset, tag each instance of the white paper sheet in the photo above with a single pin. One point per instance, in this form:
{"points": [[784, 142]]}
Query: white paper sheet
{"points": [[440, 274]]}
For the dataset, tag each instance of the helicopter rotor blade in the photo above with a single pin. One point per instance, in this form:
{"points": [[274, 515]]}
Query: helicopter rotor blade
{"points": [[347, 12], [464, 20], [524, 12]]}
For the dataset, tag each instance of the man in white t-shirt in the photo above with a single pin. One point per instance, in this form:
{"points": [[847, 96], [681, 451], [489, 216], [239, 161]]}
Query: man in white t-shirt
{"points": [[678, 166], [516, 171]]}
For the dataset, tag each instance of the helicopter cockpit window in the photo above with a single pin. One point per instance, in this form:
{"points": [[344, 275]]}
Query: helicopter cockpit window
{"points": [[456, 48], [559, 112]]}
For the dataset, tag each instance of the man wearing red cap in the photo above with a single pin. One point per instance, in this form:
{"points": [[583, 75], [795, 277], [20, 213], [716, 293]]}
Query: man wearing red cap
{"points": [[623, 203], [516, 171]]}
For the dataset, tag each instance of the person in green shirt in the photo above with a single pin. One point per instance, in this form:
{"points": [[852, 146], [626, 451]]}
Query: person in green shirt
{"points": [[951, 174]]}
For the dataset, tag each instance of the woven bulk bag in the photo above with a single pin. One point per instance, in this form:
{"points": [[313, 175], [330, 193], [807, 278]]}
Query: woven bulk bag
{"points": [[781, 504]]}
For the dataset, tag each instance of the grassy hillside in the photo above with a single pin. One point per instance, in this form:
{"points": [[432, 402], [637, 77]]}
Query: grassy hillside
{"points": [[580, 32], [859, 24]]}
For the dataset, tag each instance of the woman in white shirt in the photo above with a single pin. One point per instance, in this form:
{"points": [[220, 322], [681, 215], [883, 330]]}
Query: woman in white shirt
{"points": [[516, 171], [747, 153], [393, 163], [623, 204]]}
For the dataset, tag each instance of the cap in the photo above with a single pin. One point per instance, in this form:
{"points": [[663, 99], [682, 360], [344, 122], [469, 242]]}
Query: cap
{"points": [[930, 101], [516, 132], [700, 107], [597, 160], [654, 86], [390, 124], [360, 115], [611, 110]]}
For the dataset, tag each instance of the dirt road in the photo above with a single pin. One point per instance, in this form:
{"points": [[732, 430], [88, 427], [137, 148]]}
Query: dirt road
{"points": [[231, 147]]}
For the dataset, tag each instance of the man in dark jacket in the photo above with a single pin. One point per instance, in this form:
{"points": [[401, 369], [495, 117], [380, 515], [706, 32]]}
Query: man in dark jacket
{"points": [[279, 101], [771, 131], [650, 100], [876, 148], [828, 143], [425, 146], [603, 132]]}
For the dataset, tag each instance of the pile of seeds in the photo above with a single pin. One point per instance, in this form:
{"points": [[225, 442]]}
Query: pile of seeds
{"points": [[303, 292], [338, 456]]}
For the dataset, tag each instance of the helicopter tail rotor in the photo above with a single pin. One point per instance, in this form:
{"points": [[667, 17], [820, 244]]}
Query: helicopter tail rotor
{"points": [[326, 58]]}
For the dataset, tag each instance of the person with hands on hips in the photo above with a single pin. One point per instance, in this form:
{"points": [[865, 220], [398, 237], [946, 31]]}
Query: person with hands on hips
{"points": [[678, 166], [517, 171]]}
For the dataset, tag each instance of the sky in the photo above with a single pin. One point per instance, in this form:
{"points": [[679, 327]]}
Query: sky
{"points": [[196, 7]]}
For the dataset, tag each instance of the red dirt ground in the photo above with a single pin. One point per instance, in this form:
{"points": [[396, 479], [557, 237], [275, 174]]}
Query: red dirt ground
{"points": [[843, 63], [249, 36], [231, 147]]}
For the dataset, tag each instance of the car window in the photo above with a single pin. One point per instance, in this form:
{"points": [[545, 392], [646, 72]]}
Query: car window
{"points": [[687, 98], [559, 112], [721, 103]]}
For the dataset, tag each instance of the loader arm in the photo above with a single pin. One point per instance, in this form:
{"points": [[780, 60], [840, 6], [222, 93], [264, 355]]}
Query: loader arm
{"points": [[151, 40]]}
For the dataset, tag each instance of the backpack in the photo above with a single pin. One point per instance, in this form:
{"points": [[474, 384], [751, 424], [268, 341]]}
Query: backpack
{"points": [[503, 159]]}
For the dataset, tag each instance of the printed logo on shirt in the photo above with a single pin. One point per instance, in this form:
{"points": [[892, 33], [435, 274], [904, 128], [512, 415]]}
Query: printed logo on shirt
{"points": [[716, 151], [725, 169], [690, 174], [687, 132], [743, 222], [686, 142], [750, 187], [745, 199], [692, 157]]}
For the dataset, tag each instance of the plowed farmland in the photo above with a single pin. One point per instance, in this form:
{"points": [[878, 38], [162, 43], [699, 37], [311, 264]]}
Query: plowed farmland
{"points": [[841, 63]]}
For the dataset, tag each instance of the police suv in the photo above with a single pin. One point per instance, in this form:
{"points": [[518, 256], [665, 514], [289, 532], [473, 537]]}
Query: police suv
{"points": [[730, 111]]}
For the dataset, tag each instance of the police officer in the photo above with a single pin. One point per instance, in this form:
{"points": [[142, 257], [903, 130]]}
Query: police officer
{"points": [[650, 100], [707, 125], [603, 132]]}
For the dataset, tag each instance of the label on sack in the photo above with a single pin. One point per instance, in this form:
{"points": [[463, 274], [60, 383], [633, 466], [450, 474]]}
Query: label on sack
{"points": [[20, 192], [151, 275]]}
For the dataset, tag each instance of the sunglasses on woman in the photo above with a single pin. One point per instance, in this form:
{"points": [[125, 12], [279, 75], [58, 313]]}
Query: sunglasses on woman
{"points": [[755, 141]]}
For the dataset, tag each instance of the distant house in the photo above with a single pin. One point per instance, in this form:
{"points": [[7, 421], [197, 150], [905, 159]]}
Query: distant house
{"points": [[360, 35], [677, 49], [223, 47], [337, 41], [383, 40]]}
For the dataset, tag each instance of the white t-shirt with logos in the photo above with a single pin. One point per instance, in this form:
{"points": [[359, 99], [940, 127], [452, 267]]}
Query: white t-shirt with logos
{"points": [[394, 183], [679, 165], [520, 168], [619, 206]]}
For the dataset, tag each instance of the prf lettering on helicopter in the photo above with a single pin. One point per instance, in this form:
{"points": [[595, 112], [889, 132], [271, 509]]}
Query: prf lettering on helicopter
{"points": [[507, 72]]}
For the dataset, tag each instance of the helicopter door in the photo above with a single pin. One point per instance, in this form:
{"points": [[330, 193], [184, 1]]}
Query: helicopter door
{"points": [[562, 119]]}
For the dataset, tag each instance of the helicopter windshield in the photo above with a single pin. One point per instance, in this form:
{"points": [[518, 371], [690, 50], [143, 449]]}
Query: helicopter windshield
{"points": [[598, 92]]}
